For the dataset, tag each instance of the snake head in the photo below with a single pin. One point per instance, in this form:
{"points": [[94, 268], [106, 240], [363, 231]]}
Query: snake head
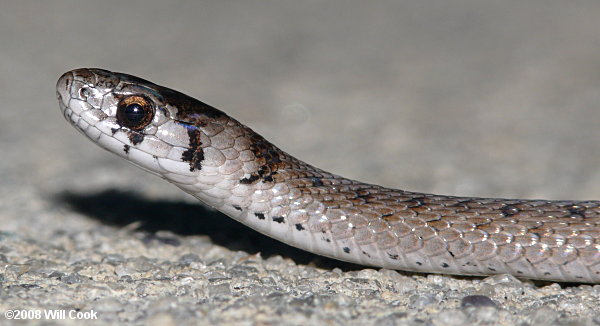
{"points": [[191, 144], [159, 129]]}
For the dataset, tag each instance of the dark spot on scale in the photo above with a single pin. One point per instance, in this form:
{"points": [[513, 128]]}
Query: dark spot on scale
{"points": [[194, 155], [450, 252], [366, 254], [492, 269], [419, 201], [366, 196], [546, 273], [579, 277], [419, 263], [347, 250], [394, 257], [509, 210], [260, 216], [126, 149], [316, 182], [278, 219], [249, 180], [237, 207], [445, 265], [519, 272], [577, 211], [299, 227], [135, 137], [267, 155], [327, 239]]}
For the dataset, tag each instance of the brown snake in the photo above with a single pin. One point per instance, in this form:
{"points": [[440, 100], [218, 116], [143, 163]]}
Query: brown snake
{"points": [[230, 167]]}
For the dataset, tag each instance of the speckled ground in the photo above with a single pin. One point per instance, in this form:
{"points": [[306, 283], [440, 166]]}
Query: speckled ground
{"points": [[494, 98]]}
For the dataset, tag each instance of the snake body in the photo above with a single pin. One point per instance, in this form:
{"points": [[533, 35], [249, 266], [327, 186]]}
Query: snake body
{"points": [[228, 166]]}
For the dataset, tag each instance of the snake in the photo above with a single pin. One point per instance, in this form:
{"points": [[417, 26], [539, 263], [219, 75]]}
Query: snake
{"points": [[228, 166]]}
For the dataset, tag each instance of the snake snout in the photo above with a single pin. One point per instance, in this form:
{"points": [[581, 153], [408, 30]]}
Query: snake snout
{"points": [[63, 89]]}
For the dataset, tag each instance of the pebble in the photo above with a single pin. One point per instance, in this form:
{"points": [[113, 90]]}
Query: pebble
{"points": [[477, 301]]}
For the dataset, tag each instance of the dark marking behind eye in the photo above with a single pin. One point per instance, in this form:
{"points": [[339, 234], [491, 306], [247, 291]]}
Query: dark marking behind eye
{"points": [[299, 227], [194, 155]]}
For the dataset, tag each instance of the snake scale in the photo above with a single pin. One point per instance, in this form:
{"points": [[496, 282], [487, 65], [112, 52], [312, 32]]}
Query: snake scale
{"points": [[226, 165]]}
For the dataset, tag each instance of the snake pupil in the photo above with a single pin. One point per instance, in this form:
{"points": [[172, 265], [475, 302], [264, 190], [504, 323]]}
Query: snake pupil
{"points": [[135, 112]]}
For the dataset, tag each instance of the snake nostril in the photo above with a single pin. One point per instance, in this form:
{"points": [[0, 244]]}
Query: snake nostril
{"points": [[84, 93]]}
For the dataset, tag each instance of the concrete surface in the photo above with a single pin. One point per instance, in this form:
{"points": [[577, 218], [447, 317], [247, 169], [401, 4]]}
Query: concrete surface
{"points": [[487, 98]]}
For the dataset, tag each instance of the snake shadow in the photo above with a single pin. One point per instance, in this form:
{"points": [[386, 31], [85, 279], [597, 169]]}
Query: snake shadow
{"points": [[119, 209]]}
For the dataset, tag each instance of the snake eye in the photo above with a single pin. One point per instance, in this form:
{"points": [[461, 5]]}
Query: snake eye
{"points": [[135, 112]]}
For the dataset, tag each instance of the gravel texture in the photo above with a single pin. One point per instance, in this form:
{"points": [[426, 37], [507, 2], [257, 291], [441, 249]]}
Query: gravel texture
{"points": [[486, 98]]}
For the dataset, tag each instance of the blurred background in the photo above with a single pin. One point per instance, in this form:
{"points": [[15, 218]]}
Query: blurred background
{"points": [[494, 98]]}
